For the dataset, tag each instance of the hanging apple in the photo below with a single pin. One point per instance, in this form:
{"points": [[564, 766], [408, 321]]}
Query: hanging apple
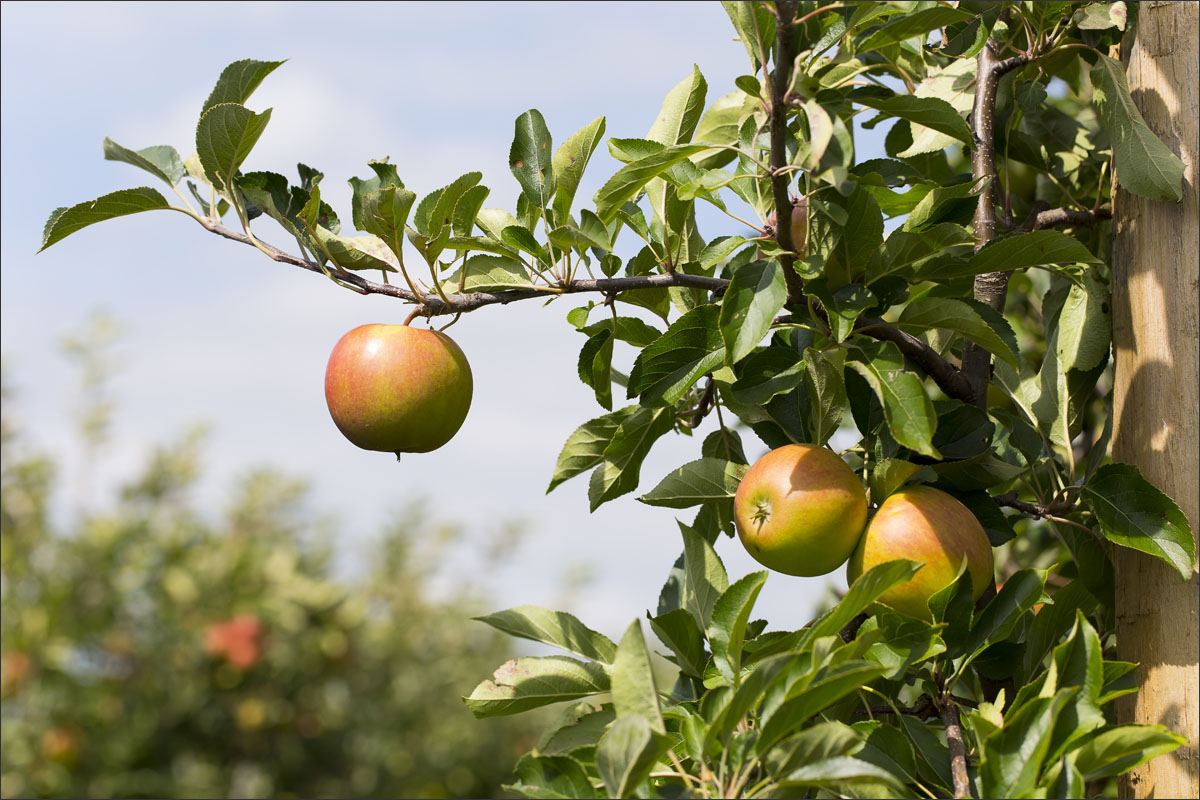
{"points": [[398, 389]]}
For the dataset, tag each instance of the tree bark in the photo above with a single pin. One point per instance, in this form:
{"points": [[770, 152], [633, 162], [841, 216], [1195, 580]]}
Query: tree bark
{"points": [[1155, 330]]}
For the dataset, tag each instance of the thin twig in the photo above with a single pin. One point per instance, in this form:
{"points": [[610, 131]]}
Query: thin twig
{"points": [[1040, 510], [958, 748], [458, 303], [780, 77]]}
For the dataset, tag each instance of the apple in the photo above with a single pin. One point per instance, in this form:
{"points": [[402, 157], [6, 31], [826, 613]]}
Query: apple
{"points": [[239, 640], [800, 510], [799, 223], [927, 525], [398, 389]]}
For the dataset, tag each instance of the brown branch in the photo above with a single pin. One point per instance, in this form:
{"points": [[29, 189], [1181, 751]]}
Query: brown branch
{"points": [[949, 378], [850, 630], [693, 418], [990, 287], [923, 709], [1009, 499], [433, 305], [784, 53], [1066, 216], [958, 748]]}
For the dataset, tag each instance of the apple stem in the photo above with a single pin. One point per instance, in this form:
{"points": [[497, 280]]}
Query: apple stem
{"points": [[416, 312]]}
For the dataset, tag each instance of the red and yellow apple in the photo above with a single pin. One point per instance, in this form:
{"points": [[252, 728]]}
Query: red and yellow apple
{"points": [[800, 510], [238, 641], [398, 389], [924, 524]]}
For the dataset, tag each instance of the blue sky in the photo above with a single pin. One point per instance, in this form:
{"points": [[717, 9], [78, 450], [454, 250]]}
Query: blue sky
{"points": [[216, 333]]}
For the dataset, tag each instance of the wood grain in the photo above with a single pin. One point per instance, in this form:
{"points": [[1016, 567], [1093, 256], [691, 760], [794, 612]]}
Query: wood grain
{"points": [[1156, 400]]}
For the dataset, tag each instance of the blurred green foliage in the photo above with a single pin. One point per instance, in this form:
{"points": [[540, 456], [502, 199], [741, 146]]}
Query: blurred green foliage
{"points": [[153, 650]]}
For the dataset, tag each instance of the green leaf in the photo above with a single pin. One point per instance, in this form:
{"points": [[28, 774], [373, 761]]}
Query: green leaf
{"points": [[861, 594], [888, 476], [755, 295], [1013, 756], [931, 750], [630, 179], [549, 776], [520, 238], [945, 313], [831, 685], [1019, 594], [633, 688], [385, 176], [755, 26], [580, 725], [843, 306], [955, 84], [930, 112], [905, 253], [1078, 662], [666, 369], [1133, 512], [65, 221], [822, 741], [836, 772], [162, 161], [585, 447], [906, 407], [493, 274], [556, 628], [525, 683], [1100, 16], [385, 213], [825, 386], [530, 158], [1145, 166], [224, 138], [238, 81], [704, 577], [697, 482], [618, 473], [595, 365], [749, 694], [768, 372], [865, 221], [629, 329], [964, 431], [1084, 325], [1035, 249], [910, 25], [493, 221], [940, 201], [677, 629], [905, 641], [570, 160], [681, 110], [356, 252], [719, 125], [626, 754], [727, 629], [1117, 749]]}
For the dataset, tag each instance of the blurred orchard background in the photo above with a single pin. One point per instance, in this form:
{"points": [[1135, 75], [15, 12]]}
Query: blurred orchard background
{"points": [[206, 590]]}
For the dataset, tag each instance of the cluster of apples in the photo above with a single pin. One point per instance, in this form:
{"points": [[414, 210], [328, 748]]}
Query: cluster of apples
{"points": [[801, 510]]}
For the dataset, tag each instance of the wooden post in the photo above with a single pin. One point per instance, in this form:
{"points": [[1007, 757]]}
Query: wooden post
{"points": [[1156, 402]]}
